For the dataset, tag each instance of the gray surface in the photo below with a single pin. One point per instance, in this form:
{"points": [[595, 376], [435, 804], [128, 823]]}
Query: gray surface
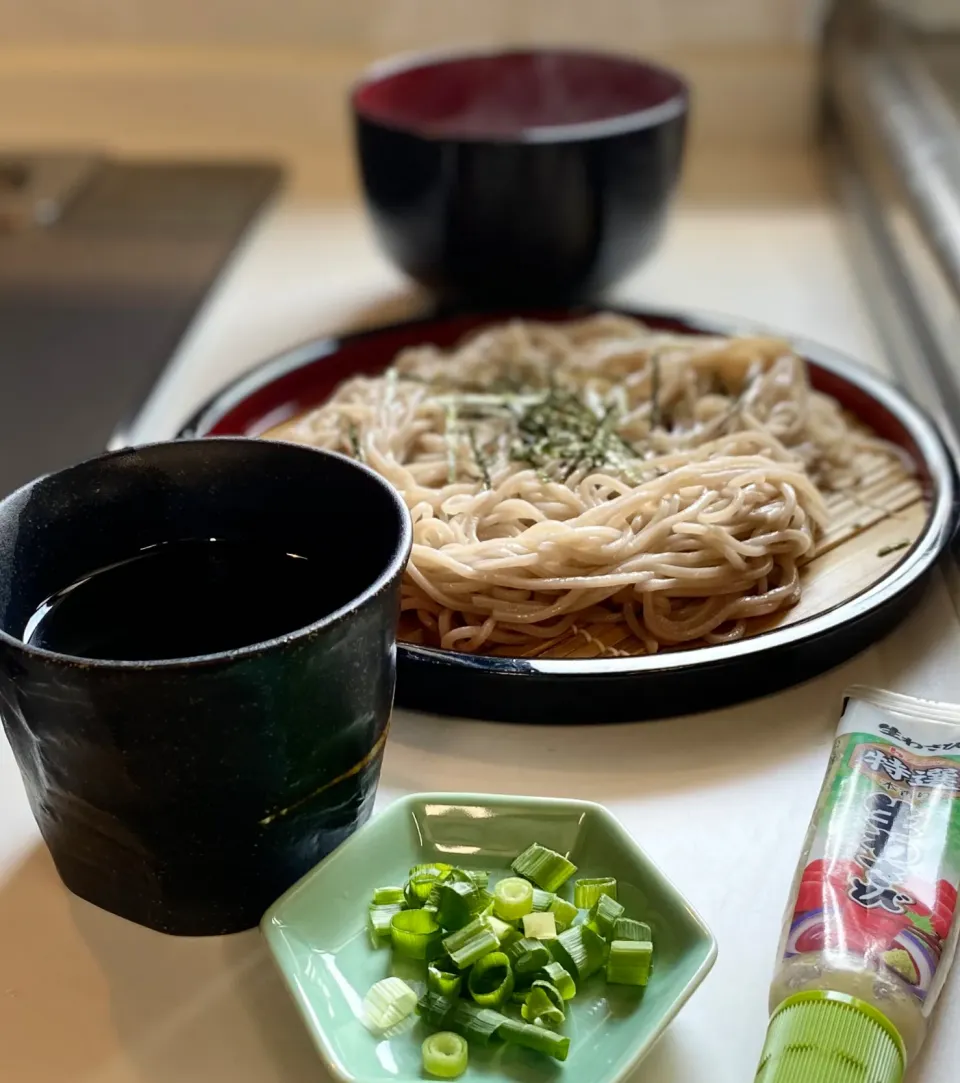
{"points": [[92, 307], [893, 111]]}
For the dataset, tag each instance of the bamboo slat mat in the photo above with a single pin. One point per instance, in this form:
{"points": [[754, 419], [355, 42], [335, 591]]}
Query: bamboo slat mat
{"points": [[870, 532]]}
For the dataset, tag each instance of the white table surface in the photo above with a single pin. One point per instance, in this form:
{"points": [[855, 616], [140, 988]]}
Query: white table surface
{"points": [[720, 801]]}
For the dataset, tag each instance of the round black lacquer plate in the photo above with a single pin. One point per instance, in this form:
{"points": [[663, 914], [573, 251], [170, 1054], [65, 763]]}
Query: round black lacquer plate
{"points": [[850, 613]]}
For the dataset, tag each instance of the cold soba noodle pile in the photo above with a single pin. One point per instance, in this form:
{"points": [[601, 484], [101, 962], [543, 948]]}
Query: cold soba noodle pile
{"points": [[563, 478]]}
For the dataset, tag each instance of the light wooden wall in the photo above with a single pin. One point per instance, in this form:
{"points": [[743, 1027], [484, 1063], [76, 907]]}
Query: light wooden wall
{"points": [[401, 24]]}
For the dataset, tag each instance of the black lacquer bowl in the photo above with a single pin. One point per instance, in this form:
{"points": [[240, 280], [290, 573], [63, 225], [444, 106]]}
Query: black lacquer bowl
{"points": [[526, 175], [187, 794], [845, 617]]}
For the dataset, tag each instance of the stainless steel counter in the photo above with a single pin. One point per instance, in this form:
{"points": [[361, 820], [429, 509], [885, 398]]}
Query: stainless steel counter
{"points": [[891, 96]]}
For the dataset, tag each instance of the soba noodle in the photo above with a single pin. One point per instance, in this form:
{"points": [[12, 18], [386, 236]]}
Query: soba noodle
{"points": [[563, 477]]}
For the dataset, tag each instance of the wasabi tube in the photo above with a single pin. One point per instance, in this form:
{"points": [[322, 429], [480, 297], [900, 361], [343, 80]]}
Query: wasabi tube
{"points": [[870, 929]]}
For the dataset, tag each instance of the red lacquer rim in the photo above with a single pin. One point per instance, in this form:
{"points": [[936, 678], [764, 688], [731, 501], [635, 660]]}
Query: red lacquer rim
{"points": [[326, 364], [506, 96]]}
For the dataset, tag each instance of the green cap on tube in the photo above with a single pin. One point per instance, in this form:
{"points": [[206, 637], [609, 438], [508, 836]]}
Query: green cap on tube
{"points": [[825, 1037]]}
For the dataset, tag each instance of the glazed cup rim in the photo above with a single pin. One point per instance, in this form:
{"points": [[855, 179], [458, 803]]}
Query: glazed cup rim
{"points": [[674, 106], [392, 570]]}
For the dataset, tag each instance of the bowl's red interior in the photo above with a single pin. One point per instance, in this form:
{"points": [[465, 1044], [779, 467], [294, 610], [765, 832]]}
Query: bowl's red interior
{"points": [[507, 94], [369, 352]]}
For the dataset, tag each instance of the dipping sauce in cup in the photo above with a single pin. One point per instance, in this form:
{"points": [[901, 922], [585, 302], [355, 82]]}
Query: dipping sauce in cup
{"points": [[197, 665]]}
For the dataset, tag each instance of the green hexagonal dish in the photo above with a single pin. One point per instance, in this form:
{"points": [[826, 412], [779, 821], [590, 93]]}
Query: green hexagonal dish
{"points": [[318, 936]]}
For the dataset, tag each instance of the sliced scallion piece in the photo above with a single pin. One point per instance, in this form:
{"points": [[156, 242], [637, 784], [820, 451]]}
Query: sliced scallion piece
{"points": [[451, 876], [503, 931], [551, 991], [387, 896], [388, 1003], [479, 876], [486, 904], [471, 943], [512, 898], [480, 1026], [417, 890], [628, 929], [604, 914], [444, 1055], [580, 951], [533, 1037], [458, 903], [561, 980], [630, 962], [564, 912], [545, 868], [415, 934], [455, 874], [443, 982], [540, 1007], [587, 891], [540, 926], [543, 900], [528, 956], [491, 980], [433, 869], [379, 921], [436, 1008]]}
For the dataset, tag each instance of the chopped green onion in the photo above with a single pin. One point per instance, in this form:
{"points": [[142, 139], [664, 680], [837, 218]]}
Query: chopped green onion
{"points": [[512, 898], [471, 943], [580, 951], [414, 933], [545, 868], [434, 869], [491, 980], [379, 921], [444, 1055], [533, 1037], [564, 912], [450, 876], [486, 904], [604, 914], [543, 900], [388, 1003], [630, 962], [628, 929], [540, 1007], [480, 1026], [387, 896], [458, 903], [552, 992], [528, 955], [442, 982], [518, 942], [540, 926], [417, 890], [455, 875], [503, 931], [561, 980], [586, 892], [435, 1008]]}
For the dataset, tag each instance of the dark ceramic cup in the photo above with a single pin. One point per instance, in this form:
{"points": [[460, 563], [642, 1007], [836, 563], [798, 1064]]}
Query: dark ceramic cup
{"points": [[521, 176], [187, 794]]}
